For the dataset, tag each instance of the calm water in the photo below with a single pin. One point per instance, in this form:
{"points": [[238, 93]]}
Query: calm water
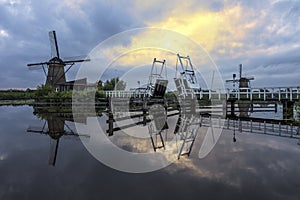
{"points": [[270, 114], [255, 167]]}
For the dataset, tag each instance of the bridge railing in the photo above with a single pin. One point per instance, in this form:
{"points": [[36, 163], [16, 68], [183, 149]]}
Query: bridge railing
{"points": [[260, 94], [124, 94], [265, 94], [216, 94]]}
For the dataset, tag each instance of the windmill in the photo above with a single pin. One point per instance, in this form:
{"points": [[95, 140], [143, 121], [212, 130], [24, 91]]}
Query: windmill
{"points": [[55, 67], [242, 82]]}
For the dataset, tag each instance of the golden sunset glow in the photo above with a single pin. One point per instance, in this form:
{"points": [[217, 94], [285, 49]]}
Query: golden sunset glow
{"points": [[209, 29]]}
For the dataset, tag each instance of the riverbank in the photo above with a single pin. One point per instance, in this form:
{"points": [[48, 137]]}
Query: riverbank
{"points": [[19, 102]]}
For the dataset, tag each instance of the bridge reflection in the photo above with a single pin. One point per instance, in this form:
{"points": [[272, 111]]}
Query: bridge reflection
{"points": [[156, 122]]}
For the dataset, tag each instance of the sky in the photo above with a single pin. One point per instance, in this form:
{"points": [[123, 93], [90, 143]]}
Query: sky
{"points": [[263, 35]]}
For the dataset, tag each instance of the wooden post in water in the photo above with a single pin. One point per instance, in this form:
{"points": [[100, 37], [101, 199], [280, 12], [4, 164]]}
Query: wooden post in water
{"points": [[110, 124], [145, 112]]}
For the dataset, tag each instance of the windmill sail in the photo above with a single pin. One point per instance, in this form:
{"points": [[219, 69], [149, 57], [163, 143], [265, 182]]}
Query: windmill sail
{"points": [[36, 64], [75, 61], [53, 151], [53, 44]]}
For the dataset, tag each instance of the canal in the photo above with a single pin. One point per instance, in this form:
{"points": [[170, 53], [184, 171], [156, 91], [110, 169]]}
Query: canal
{"points": [[36, 166]]}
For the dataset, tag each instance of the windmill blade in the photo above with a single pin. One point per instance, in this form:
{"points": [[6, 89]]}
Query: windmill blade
{"points": [[227, 81], [35, 67], [53, 151], [32, 129], [36, 64], [251, 78], [234, 80], [75, 61], [53, 44]]}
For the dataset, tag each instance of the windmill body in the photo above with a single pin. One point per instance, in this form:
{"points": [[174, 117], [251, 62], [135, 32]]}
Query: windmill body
{"points": [[56, 73], [242, 82]]}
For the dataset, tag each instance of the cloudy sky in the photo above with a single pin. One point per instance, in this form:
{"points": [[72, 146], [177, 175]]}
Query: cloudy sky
{"points": [[263, 35]]}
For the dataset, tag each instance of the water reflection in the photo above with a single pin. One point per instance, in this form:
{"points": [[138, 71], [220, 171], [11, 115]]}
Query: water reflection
{"points": [[176, 139], [55, 127], [256, 167], [153, 129]]}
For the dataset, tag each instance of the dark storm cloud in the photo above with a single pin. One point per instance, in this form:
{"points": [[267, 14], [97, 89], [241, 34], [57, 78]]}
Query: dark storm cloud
{"points": [[79, 28]]}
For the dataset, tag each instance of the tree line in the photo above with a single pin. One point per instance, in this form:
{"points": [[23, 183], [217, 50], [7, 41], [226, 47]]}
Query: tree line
{"points": [[112, 84], [47, 91]]}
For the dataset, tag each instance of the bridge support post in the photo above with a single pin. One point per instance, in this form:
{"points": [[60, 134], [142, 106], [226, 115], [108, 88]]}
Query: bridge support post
{"points": [[251, 107], [288, 109], [232, 107]]}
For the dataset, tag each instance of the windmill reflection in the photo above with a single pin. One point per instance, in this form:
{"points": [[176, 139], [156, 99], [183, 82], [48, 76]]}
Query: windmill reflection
{"points": [[55, 127]]}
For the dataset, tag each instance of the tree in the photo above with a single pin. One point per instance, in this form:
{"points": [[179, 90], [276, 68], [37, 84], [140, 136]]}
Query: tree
{"points": [[114, 84], [44, 90], [99, 85]]}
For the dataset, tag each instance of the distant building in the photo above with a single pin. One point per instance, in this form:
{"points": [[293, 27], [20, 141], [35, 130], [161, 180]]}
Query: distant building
{"points": [[79, 84]]}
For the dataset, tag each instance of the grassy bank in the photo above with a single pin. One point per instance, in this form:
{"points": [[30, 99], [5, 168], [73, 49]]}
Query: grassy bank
{"points": [[17, 95]]}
